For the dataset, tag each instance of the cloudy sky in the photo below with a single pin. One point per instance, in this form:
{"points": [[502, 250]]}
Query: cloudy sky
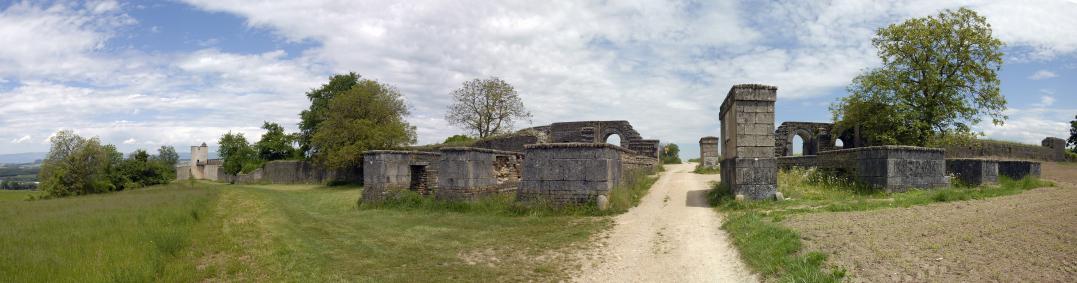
{"points": [[145, 74]]}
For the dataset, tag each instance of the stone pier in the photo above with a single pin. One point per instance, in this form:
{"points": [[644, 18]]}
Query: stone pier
{"points": [[748, 165]]}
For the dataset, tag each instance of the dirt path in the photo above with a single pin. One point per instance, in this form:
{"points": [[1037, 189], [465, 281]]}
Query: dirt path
{"points": [[672, 236]]}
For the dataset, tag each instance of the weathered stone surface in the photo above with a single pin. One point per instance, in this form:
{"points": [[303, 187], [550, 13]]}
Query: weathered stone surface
{"points": [[1018, 169], [973, 171], [1051, 149], [708, 152], [603, 202], [386, 172], [570, 172], [748, 166]]}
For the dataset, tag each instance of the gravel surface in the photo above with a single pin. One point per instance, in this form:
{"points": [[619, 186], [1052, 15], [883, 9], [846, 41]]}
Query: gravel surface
{"points": [[672, 236], [1029, 237]]}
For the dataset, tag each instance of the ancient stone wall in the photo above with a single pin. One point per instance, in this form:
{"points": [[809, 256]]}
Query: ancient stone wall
{"points": [[570, 173], [386, 172], [466, 173], [973, 171], [1017, 169], [599, 132], [1051, 149], [817, 137], [892, 168], [514, 142], [748, 166], [292, 172], [708, 152], [183, 172]]}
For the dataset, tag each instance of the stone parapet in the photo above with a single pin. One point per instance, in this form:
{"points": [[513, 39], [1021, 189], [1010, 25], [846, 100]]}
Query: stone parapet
{"points": [[973, 171], [1017, 170], [570, 173]]}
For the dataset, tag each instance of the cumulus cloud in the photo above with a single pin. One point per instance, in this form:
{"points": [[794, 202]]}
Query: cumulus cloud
{"points": [[23, 139], [1042, 74], [130, 141]]}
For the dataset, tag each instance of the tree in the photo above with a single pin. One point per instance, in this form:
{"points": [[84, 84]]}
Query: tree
{"points": [[1073, 134], [459, 139], [366, 117], [140, 170], [486, 107], [275, 144], [311, 118], [236, 153], [671, 154], [167, 156], [76, 166], [939, 76]]}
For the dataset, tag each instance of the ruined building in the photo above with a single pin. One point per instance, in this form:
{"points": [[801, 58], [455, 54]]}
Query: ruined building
{"points": [[200, 167]]}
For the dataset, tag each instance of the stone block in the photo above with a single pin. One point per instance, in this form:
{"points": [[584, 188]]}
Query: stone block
{"points": [[1018, 169]]}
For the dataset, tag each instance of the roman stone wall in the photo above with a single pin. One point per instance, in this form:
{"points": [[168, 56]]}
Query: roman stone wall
{"points": [[748, 166], [183, 172], [816, 137], [570, 173], [973, 171], [1017, 169], [1051, 149], [467, 173], [386, 172], [599, 132], [892, 168], [514, 142], [708, 152], [644, 147], [292, 172]]}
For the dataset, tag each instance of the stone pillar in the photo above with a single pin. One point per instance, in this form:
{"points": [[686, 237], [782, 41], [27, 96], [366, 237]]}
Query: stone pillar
{"points": [[708, 152], [748, 164]]}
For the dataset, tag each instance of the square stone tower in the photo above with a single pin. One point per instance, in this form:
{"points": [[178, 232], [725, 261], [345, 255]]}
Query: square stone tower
{"points": [[708, 152], [748, 164]]}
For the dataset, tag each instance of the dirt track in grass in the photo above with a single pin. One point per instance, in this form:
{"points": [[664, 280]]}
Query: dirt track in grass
{"points": [[1029, 237], [672, 236]]}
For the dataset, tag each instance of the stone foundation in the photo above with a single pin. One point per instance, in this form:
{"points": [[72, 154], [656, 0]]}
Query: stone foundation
{"points": [[1018, 169], [973, 171], [570, 173], [388, 171], [466, 173]]}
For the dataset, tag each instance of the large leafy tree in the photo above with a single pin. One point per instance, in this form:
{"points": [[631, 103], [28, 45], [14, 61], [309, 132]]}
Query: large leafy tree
{"points": [[486, 107], [275, 144], [939, 76], [167, 156], [671, 154], [311, 118], [77, 166], [237, 154], [368, 116]]}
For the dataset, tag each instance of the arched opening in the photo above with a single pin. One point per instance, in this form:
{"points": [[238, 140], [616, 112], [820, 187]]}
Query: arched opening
{"points": [[799, 146], [838, 144], [613, 139]]}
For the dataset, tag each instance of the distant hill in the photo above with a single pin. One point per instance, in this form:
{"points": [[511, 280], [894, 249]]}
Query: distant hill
{"points": [[25, 157]]}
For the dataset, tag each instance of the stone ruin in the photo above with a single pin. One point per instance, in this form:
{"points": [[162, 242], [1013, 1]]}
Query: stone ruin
{"points": [[563, 163], [753, 150], [709, 155]]}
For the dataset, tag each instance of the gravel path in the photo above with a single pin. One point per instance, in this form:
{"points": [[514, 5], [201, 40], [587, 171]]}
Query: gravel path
{"points": [[672, 236]]}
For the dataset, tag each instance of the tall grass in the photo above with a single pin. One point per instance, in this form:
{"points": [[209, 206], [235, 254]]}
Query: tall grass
{"points": [[129, 236], [775, 251]]}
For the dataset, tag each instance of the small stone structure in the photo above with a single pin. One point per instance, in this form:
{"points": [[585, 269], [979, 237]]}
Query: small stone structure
{"points": [[892, 168], [386, 172], [973, 171], [747, 116], [1050, 149], [599, 132], [467, 173], [567, 173], [817, 137], [1017, 169], [200, 166], [708, 152]]}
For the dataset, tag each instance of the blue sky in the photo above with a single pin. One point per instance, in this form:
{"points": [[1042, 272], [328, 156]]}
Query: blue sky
{"points": [[145, 74]]}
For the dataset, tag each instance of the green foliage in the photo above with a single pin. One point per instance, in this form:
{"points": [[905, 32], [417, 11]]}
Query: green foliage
{"points": [[139, 170], [695, 160], [700, 169], [237, 154], [775, 251], [671, 154], [458, 139], [275, 144], [1072, 141], [77, 166], [486, 107], [311, 118], [368, 116], [939, 76], [167, 156]]}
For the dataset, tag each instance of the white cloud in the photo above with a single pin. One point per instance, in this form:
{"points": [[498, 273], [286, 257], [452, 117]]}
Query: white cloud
{"points": [[1042, 74], [130, 141], [1030, 125], [1047, 100], [23, 139]]}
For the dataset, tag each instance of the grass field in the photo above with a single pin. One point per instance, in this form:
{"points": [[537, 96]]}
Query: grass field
{"points": [[10, 195], [775, 251], [275, 233]]}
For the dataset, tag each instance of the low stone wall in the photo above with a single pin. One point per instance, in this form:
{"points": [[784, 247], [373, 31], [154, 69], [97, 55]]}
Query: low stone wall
{"points": [[570, 173], [1051, 149], [291, 172], [466, 173], [892, 168], [973, 171], [388, 171], [514, 142], [253, 177], [1018, 169]]}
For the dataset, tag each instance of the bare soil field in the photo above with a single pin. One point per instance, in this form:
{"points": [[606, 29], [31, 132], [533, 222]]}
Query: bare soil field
{"points": [[1029, 237]]}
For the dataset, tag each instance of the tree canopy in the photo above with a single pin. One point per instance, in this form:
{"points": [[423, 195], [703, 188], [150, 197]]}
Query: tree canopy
{"points": [[368, 116], [275, 144], [237, 154], [671, 154], [79, 166], [939, 76], [1072, 141], [486, 107], [458, 139], [319, 105]]}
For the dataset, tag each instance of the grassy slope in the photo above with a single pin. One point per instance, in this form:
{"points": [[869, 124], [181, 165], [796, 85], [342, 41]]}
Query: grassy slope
{"points": [[274, 233], [775, 251], [14, 195]]}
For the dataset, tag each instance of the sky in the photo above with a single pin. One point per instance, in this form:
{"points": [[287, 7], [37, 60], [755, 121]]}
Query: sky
{"points": [[146, 74]]}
